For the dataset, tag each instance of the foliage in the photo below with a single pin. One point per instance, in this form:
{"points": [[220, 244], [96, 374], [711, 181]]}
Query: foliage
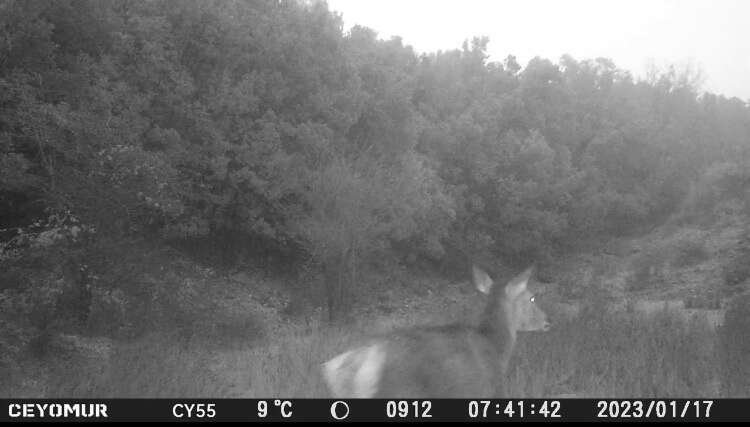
{"points": [[735, 347], [736, 269], [263, 125], [690, 252], [647, 270], [593, 355]]}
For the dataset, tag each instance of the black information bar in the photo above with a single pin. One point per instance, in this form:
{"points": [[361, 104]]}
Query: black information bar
{"points": [[375, 410]]}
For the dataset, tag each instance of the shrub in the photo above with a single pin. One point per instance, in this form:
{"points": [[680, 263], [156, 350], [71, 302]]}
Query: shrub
{"points": [[647, 270], [690, 252], [737, 270], [707, 300], [722, 184], [735, 349]]}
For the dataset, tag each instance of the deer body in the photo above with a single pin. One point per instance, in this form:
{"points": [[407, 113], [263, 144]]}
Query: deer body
{"points": [[442, 361]]}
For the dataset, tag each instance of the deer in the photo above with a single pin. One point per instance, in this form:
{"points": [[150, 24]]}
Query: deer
{"points": [[442, 361]]}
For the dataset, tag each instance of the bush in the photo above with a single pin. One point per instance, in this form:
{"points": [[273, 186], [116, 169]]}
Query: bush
{"points": [[690, 252], [737, 270], [647, 270], [720, 185], [735, 349], [707, 300]]}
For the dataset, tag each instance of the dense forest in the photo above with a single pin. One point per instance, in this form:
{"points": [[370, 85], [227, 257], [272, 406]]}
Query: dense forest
{"points": [[236, 130]]}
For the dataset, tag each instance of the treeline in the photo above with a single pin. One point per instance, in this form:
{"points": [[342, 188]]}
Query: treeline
{"points": [[261, 127]]}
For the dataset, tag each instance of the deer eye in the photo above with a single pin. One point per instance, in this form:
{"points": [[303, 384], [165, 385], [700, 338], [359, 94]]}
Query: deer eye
{"points": [[532, 299]]}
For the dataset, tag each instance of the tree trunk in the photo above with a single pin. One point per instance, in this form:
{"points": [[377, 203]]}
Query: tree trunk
{"points": [[341, 275]]}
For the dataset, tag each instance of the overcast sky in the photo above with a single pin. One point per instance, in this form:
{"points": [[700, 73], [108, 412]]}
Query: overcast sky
{"points": [[711, 34]]}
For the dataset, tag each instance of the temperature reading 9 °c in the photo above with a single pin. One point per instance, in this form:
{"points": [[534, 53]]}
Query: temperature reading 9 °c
{"points": [[285, 408]]}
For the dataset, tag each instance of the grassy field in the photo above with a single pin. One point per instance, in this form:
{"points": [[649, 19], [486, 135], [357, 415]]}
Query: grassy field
{"points": [[596, 354]]}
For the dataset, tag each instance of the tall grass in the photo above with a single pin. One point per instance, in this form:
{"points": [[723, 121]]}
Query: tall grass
{"points": [[161, 366], [605, 354], [596, 354]]}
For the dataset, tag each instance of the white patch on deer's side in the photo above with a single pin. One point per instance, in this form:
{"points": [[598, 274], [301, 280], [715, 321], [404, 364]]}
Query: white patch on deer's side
{"points": [[368, 375], [336, 375], [355, 373]]}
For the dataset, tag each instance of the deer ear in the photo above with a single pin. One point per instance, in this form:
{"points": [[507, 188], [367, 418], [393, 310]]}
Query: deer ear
{"points": [[518, 284], [482, 280]]}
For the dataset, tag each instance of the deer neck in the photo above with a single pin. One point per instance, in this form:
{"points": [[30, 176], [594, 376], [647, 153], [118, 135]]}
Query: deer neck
{"points": [[497, 326]]}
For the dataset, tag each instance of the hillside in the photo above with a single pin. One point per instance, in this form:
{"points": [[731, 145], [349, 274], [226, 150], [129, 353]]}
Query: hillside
{"points": [[210, 197], [251, 345]]}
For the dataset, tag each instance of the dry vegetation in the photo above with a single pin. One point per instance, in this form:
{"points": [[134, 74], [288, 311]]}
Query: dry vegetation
{"points": [[611, 338], [596, 354], [603, 349]]}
